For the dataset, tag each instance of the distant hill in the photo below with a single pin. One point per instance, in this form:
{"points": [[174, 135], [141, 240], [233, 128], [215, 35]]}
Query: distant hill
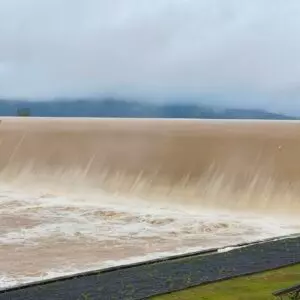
{"points": [[120, 108]]}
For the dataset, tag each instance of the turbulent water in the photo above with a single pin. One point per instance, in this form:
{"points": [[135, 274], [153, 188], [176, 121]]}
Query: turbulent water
{"points": [[84, 194]]}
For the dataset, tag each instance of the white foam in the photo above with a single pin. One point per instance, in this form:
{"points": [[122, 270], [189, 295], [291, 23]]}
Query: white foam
{"points": [[109, 218], [6, 281]]}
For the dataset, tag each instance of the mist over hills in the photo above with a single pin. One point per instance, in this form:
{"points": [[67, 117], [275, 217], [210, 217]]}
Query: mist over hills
{"points": [[121, 108]]}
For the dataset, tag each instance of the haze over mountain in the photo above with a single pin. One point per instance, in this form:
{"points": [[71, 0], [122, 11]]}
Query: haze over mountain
{"points": [[245, 51], [120, 108]]}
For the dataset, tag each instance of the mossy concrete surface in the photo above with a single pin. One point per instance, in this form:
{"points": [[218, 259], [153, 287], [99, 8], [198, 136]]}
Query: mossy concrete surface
{"points": [[256, 287]]}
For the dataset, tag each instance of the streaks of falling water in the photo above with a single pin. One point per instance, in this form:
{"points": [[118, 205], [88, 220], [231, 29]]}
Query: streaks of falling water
{"points": [[93, 193]]}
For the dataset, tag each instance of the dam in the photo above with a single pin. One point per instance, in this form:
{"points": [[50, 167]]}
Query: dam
{"points": [[80, 194]]}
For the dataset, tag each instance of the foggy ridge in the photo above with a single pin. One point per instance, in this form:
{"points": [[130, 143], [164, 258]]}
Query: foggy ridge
{"points": [[120, 108]]}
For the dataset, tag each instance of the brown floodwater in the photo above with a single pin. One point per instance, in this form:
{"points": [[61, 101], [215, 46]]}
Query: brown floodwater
{"points": [[81, 194]]}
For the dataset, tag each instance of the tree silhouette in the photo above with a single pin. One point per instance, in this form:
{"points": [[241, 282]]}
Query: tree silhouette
{"points": [[23, 112]]}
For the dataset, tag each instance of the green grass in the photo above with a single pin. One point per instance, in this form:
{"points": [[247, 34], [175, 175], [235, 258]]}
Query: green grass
{"points": [[259, 286]]}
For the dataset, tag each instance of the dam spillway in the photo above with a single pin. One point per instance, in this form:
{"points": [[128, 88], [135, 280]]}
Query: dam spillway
{"points": [[79, 194]]}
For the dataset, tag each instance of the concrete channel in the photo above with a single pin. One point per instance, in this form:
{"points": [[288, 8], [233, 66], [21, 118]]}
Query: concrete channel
{"points": [[147, 279]]}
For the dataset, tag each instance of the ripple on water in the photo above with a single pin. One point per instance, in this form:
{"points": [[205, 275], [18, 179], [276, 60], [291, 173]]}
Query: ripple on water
{"points": [[40, 234]]}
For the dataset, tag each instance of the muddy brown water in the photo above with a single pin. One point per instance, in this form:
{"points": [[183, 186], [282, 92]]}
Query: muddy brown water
{"points": [[78, 194]]}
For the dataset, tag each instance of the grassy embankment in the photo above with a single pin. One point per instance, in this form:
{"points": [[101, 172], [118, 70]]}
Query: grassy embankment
{"points": [[256, 287]]}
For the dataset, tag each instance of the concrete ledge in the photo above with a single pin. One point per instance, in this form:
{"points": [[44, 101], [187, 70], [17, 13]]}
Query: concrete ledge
{"points": [[142, 280]]}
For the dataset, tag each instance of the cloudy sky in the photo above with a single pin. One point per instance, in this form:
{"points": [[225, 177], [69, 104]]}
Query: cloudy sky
{"points": [[246, 51]]}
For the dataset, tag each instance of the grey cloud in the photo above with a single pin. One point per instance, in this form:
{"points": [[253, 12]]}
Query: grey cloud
{"points": [[52, 48]]}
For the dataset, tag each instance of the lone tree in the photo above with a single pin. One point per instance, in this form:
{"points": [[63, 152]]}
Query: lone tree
{"points": [[23, 112]]}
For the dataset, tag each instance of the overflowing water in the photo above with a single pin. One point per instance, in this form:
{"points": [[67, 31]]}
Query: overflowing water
{"points": [[79, 195]]}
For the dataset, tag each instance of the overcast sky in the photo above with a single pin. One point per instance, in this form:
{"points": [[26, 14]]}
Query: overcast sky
{"points": [[51, 48]]}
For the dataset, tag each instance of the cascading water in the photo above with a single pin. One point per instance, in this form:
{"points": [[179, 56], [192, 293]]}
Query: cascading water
{"points": [[80, 194]]}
